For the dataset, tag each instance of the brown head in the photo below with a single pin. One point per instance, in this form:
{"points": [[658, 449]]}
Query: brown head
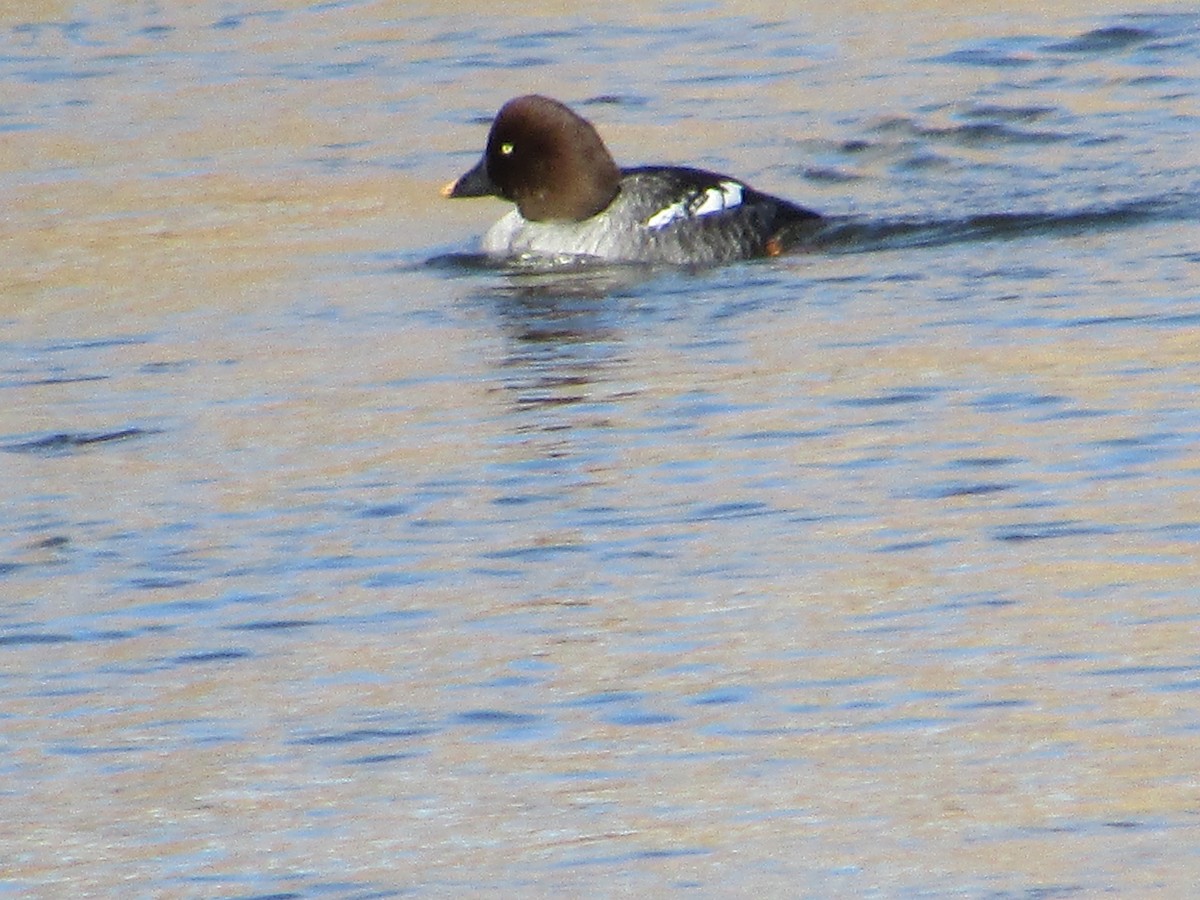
{"points": [[547, 160]]}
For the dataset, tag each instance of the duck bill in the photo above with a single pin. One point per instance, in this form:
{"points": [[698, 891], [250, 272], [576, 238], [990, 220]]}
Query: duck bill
{"points": [[474, 183]]}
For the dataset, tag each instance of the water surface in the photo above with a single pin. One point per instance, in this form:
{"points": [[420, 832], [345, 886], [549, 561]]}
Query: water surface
{"points": [[340, 564]]}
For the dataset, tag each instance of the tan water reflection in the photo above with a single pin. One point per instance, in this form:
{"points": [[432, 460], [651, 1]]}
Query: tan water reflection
{"points": [[824, 718]]}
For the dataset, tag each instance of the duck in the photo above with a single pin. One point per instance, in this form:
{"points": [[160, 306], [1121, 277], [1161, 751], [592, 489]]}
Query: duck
{"points": [[573, 202]]}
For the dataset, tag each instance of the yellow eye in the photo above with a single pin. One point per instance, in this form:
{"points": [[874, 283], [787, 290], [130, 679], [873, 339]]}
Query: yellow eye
{"points": [[506, 149]]}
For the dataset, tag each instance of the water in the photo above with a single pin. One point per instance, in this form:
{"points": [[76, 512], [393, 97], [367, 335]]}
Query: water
{"points": [[339, 564]]}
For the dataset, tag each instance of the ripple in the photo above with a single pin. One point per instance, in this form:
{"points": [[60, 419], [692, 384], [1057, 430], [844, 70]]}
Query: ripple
{"points": [[33, 638], [65, 442], [1105, 40], [1043, 531], [359, 735], [895, 398], [274, 625], [211, 656], [964, 489]]}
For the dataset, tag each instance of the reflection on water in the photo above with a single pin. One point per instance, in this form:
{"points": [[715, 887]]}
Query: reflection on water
{"points": [[340, 560]]}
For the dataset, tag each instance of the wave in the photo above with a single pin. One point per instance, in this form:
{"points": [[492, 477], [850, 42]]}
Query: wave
{"points": [[857, 235]]}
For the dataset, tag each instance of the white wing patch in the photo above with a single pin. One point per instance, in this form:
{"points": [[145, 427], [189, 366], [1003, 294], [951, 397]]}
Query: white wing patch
{"points": [[665, 217], [724, 195]]}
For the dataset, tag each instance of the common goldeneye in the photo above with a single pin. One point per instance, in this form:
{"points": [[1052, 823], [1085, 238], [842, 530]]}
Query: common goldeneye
{"points": [[573, 201]]}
